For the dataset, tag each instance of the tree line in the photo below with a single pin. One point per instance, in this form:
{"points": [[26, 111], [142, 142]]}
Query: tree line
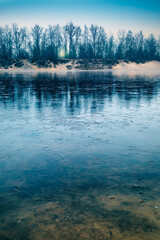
{"points": [[71, 42]]}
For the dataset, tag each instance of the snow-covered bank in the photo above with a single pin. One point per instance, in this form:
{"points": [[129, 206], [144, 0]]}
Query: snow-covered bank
{"points": [[153, 65], [131, 68], [117, 67]]}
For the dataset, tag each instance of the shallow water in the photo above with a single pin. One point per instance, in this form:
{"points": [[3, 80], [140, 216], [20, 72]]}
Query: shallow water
{"points": [[79, 156]]}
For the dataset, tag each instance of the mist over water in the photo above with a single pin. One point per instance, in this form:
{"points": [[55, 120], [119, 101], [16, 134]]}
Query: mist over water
{"points": [[79, 156]]}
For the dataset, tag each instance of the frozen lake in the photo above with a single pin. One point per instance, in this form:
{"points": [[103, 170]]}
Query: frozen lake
{"points": [[79, 156]]}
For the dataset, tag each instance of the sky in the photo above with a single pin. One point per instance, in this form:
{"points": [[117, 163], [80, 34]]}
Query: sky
{"points": [[113, 15]]}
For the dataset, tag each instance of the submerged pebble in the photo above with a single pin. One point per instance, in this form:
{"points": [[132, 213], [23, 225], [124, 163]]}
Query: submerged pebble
{"points": [[142, 201]]}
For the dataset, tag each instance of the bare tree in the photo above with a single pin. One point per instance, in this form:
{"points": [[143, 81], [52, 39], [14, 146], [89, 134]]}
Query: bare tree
{"points": [[130, 45], [70, 30], [110, 49], [51, 42], [7, 37], [120, 50], [36, 34], [44, 44], [77, 40], [94, 35], [58, 40], [101, 42], [24, 42]]}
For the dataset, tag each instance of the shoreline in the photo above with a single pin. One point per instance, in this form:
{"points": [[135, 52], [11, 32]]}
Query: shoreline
{"points": [[82, 66]]}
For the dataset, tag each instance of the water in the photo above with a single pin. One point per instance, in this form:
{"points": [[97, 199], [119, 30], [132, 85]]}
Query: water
{"points": [[79, 156]]}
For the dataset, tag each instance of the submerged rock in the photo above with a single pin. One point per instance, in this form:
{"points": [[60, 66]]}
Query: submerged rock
{"points": [[136, 186]]}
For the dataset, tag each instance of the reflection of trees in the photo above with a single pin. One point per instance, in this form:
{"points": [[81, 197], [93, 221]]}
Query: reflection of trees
{"points": [[73, 91]]}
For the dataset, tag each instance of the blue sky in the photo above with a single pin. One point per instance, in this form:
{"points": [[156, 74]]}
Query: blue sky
{"points": [[113, 15]]}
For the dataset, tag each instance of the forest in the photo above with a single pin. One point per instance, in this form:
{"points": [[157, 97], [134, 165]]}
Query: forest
{"points": [[70, 41]]}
